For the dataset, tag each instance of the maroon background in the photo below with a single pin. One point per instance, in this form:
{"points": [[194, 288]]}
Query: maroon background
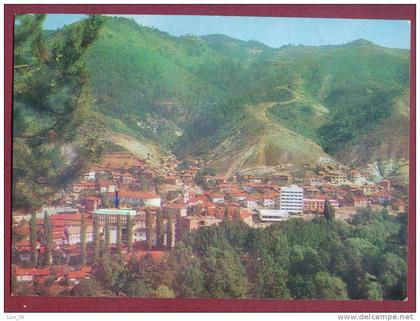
{"points": [[71, 304]]}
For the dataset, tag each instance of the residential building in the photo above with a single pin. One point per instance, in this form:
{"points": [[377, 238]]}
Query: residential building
{"points": [[269, 200], [217, 198], [91, 203], [399, 205], [360, 201], [140, 198], [176, 208], [252, 201], [189, 223], [380, 198], [27, 275], [337, 177], [83, 186], [74, 236], [90, 176], [316, 205]]}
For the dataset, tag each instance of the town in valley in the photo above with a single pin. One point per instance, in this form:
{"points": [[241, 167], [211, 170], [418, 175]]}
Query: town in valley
{"points": [[140, 210]]}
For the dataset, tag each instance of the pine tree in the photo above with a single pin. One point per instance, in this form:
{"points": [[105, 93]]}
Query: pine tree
{"points": [[129, 234], [83, 240], [107, 249], [119, 234], [225, 213], [96, 239], [160, 232], [169, 231], [48, 239], [329, 212], [33, 238], [149, 230], [50, 96]]}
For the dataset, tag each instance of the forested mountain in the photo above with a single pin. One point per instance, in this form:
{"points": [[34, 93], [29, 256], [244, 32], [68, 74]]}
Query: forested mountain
{"points": [[242, 105]]}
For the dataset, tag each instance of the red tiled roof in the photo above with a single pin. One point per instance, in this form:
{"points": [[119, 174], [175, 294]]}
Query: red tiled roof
{"points": [[92, 198], [76, 274], [269, 196], [66, 216], [253, 198], [175, 206], [137, 194], [86, 269], [37, 272], [216, 195], [155, 254]]}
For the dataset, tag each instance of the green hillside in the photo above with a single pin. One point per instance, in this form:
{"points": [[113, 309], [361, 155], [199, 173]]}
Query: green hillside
{"points": [[216, 97]]}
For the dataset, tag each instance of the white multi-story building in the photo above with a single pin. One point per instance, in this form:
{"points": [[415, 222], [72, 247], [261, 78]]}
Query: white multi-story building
{"points": [[291, 199]]}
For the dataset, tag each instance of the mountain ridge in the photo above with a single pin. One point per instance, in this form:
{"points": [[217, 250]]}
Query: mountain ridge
{"points": [[193, 96]]}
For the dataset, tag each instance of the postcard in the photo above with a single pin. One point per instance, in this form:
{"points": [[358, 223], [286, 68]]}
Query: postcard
{"points": [[210, 157]]}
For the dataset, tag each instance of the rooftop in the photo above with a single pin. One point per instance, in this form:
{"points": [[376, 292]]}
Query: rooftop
{"points": [[115, 211]]}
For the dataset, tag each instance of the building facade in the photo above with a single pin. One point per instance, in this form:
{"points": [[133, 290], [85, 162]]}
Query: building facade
{"points": [[291, 199], [113, 214]]}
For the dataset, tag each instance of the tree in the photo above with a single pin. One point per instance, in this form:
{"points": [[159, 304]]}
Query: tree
{"points": [[160, 231], [363, 215], [305, 261], [145, 269], [138, 289], [129, 234], [329, 211], [33, 240], [96, 239], [48, 238], [270, 279], [119, 234], [301, 286], [164, 291], [224, 274], [112, 274], [83, 240], [107, 245], [393, 276], [86, 287], [225, 214], [49, 98], [372, 290], [169, 230], [190, 281], [149, 230], [329, 287]]}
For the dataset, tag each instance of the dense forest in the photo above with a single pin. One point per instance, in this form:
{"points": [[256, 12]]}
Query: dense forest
{"points": [[319, 259]]}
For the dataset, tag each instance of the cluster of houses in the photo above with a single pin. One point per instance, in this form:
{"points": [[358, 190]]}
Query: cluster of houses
{"points": [[123, 187]]}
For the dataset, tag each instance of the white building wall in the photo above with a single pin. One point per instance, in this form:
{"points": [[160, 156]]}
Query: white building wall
{"points": [[291, 199], [152, 202]]}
